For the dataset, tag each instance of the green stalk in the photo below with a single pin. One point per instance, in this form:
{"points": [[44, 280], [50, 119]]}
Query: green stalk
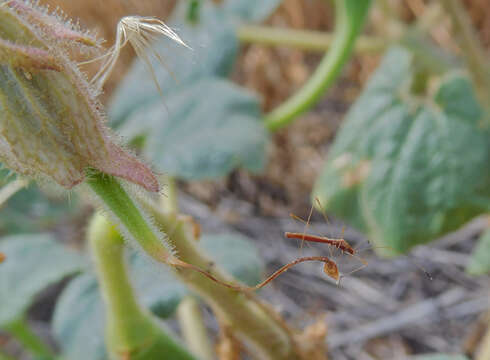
{"points": [[170, 200], [23, 333], [131, 332], [128, 215], [350, 15], [188, 312], [303, 39], [193, 328], [251, 321]]}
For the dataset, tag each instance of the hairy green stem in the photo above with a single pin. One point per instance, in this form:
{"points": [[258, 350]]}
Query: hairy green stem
{"points": [[130, 330], [304, 39], [350, 15], [128, 215], [193, 328], [169, 199], [475, 56], [252, 322], [21, 330]]}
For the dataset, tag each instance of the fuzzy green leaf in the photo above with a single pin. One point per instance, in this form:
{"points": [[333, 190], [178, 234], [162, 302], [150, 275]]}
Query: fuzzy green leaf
{"points": [[196, 137], [480, 258], [236, 254], [32, 263], [404, 169], [156, 286], [78, 321], [32, 210]]}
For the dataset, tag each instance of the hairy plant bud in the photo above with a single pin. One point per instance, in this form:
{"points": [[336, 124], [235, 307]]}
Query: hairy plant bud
{"points": [[51, 123]]}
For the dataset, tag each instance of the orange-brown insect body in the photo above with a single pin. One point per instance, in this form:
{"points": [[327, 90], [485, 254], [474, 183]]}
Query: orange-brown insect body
{"points": [[338, 243]]}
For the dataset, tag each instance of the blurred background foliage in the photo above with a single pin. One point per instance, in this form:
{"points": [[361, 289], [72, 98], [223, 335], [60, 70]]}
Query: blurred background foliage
{"points": [[400, 162]]}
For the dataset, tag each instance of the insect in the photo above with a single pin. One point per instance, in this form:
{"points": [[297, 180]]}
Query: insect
{"points": [[2, 257], [339, 243]]}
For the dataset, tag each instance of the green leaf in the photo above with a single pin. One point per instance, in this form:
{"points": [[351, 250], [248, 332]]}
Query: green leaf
{"points": [[32, 210], [406, 169], [156, 286], [251, 10], [480, 258], [32, 263], [196, 137], [439, 357], [214, 48], [236, 254], [78, 322]]}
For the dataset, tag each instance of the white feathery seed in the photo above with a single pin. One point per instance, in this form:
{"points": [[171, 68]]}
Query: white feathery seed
{"points": [[140, 32]]}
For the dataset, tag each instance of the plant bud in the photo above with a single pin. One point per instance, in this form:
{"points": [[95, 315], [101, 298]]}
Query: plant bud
{"points": [[51, 123]]}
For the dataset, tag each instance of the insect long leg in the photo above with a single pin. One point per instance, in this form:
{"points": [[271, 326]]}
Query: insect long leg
{"points": [[352, 272], [306, 227], [330, 268]]}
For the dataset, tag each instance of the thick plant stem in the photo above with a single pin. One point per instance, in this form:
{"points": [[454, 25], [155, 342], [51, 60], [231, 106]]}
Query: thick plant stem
{"points": [[130, 330], [350, 15], [253, 322], [23, 333], [303, 39], [128, 215], [193, 328], [258, 326]]}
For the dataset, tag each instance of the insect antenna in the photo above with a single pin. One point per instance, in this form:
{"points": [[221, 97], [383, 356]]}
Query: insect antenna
{"points": [[409, 258]]}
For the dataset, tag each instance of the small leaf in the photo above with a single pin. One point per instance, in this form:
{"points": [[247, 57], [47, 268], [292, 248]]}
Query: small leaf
{"points": [[32, 210], [406, 169], [198, 136], [480, 258], [32, 263]]}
